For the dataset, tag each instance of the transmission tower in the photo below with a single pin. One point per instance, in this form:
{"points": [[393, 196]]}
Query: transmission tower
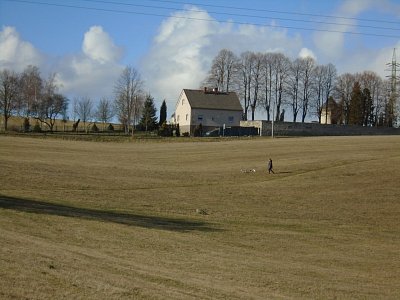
{"points": [[391, 108]]}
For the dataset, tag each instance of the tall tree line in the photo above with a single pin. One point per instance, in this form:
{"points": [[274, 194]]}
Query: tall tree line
{"points": [[269, 82], [29, 95]]}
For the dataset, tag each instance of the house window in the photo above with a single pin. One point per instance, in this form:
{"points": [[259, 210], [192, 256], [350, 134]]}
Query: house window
{"points": [[183, 101], [230, 119], [177, 118], [200, 118], [187, 117]]}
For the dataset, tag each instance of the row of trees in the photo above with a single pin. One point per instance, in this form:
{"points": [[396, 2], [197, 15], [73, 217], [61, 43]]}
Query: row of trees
{"points": [[29, 95], [271, 82]]}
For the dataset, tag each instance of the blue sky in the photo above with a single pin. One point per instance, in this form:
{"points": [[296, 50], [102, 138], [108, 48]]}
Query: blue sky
{"points": [[173, 49]]}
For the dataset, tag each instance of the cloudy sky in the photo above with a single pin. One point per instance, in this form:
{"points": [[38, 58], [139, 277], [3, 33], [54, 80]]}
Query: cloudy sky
{"points": [[172, 43]]}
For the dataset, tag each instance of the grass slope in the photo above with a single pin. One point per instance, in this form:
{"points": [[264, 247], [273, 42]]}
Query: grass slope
{"points": [[87, 220]]}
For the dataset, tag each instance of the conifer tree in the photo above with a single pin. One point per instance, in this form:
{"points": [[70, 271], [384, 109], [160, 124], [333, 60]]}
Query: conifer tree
{"points": [[163, 113], [148, 121], [356, 113]]}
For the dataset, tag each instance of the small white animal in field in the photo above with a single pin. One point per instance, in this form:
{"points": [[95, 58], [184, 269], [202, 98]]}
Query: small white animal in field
{"points": [[248, 170]]}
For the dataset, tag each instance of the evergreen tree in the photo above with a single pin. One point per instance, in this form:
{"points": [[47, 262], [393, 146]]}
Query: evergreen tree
{"points": [[163, 113], [356, 109], [148, 121]]}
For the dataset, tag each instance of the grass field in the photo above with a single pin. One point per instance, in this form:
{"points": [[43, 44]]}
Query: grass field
{"points": [[90, 220]]}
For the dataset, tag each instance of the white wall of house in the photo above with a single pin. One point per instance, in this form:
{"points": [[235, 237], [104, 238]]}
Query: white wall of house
{"points": [[324, 119], [215, 118], [183, 113]]}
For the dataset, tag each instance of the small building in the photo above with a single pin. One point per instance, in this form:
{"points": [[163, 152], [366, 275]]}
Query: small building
{"points": [[330, 112], [210, 108]]}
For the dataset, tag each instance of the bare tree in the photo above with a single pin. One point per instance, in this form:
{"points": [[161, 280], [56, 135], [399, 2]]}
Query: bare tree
{"points": [[318, 101], [9, 90], [105, 111], [256, 88], [50, 104], [378, 92], [330, 80], [128, 95], [267, 71], [246, 76], [51, 107], [306, 83], [325, 83], [386, 117], [223, 68], [75, 108], [281, 70], [344, 87], [294, 86], [85, 110], [31, 90]]}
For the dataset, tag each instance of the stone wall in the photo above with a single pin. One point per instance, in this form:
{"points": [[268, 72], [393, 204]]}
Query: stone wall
{"points": [[315, 129]]}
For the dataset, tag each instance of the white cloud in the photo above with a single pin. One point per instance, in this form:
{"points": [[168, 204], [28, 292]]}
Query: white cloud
{"points": [[352, 53], [181, 53], [332, 38], [99, 46], [79, 75], [15, 53], [89, 73], [353, 8], [93, 72], [305, 52], [369, 60]]}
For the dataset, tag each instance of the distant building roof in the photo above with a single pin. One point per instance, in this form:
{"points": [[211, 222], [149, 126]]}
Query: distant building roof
{"points": [[205, 99]]}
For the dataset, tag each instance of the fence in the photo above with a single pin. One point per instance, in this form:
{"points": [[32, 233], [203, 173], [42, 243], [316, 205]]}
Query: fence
{"points": [[316, 129]]}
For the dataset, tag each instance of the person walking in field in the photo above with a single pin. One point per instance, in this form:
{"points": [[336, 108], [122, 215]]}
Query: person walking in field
{"points": [[270, 167]]}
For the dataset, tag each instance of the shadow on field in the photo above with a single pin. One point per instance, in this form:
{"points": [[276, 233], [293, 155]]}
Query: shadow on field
{"points": [[154, 222]]}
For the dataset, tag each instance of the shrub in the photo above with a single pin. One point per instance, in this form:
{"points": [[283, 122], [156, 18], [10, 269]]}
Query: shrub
{"points": [[37, 128], [165, 130], [177, 131], [110, 127], [26, 125], [94, 128]]}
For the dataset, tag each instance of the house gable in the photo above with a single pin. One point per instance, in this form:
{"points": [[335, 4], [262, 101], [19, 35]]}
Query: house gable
{"points": [[183, 110]]}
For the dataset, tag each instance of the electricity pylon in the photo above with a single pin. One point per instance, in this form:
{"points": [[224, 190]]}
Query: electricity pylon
{"points": [[391, 109]]}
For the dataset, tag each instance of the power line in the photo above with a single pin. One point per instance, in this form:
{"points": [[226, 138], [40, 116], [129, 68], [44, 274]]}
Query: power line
{"points": [[242, 15], [276, 11], [200, 19]]}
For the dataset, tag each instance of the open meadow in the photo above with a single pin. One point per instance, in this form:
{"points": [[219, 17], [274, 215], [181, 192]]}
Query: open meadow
{"points": [[169, 219]]}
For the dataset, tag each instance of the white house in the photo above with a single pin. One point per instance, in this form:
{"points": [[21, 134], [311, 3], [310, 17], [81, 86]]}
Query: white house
{"points": [[210, 108], [330, 114]]}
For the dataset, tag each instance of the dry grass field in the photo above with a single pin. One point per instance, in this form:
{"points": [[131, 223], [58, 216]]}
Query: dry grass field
{"points": [[92, 220]]}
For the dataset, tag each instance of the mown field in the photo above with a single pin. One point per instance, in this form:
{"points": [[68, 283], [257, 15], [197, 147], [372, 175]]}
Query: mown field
{"points": [[97, 220]]}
